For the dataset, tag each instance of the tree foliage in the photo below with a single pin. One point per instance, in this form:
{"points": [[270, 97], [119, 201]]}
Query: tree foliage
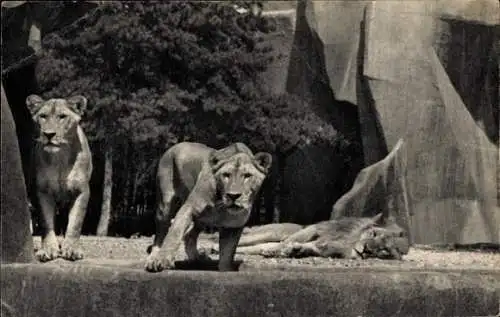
{"points": [[160, 73], [165, 72]]}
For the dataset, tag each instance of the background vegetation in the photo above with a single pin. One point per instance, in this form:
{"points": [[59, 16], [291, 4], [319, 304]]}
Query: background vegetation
{"points": [[161, 73]]}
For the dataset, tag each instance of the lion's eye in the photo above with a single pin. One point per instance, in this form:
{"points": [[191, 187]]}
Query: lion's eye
{"points": [[62, 116], [43, 116], [226, 175], [247, 175]]}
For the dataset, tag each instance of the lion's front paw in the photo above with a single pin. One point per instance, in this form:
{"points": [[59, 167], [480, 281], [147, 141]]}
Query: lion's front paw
{"points": [[290, 251], [270, 253], [156, 263], [47, 254], [71, 253], [212, 249], [203, 256]]}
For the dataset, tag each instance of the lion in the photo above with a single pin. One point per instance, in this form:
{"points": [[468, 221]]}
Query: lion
{"points": [[62, 166], [346, 237], [201, 187]]}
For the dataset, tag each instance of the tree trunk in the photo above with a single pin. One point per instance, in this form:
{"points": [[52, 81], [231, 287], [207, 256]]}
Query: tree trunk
{"points": [[134, 191], [102, 228], [129, 174], [280, 163]]}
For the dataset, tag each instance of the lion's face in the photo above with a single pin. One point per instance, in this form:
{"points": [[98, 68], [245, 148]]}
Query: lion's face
{"points": [[56, 119], [239, 178], [382, 237], [384, 243]]}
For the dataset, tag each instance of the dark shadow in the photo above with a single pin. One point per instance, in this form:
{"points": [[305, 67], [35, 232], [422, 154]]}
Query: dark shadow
{"points": [[378, 144], [308, 78], [96, 185], [469, 54], [204, 265], [307, 195], [474, 247], [18, 85]]}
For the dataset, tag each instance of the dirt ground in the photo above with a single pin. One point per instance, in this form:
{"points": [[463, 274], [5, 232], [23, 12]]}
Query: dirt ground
{"points": [[109, 248]]}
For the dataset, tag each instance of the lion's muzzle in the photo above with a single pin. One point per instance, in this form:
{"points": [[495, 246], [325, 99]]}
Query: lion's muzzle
{"points": [[51, 146], [49, 135], [233, 197], [234, 201], [51, 142]]}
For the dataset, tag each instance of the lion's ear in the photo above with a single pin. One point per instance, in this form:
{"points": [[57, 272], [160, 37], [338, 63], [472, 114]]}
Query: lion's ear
{"points": [[213, 159], [379, 219], [264, 160], [225, 153], [78, 104], [34, 102]]}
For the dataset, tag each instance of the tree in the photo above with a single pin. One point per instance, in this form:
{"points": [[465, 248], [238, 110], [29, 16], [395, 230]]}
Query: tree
{"points": [[103, 225], [159, 73]]}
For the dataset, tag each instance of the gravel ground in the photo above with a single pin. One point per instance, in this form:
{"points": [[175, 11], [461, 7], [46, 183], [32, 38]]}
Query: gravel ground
{"points": [[134, 250]]}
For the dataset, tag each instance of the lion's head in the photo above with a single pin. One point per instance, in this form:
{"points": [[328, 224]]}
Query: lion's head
{"points": [[56, 120], [385, 239], [238, 175]]}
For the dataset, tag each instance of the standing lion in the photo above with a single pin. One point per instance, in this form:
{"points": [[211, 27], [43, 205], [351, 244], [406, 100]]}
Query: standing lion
{"points": [[197, 187], [63, 166]]}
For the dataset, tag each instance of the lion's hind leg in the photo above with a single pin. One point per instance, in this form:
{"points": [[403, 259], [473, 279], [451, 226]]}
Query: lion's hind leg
{"points": [[268, 249], [329, 248], [257, 235], [275, 232], [259, 238], [167, 206], [304, 235], [257, 249]]}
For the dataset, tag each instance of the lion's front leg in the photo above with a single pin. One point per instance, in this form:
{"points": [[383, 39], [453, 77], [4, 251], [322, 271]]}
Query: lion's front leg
{"points": [[69, 248], [164, 257], [50, 247], [228, 242], [191, 245]]}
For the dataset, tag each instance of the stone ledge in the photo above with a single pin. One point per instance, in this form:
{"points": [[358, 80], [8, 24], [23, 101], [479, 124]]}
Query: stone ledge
{"points": [[85, 289]]}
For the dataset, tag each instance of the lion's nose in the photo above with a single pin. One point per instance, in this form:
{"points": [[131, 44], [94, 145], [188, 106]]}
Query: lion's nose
{"points": [[49, 135], [233, 196]]}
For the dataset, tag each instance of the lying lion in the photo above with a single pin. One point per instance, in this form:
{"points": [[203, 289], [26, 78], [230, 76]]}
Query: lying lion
{"points": [[201, 187], [347, 237]]}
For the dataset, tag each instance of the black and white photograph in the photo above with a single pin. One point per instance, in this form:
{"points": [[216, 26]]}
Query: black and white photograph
{"points": [[300, 158]]}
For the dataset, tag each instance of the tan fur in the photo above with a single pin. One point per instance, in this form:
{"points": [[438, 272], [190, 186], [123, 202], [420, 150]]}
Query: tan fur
{"points": [[63, 166], [348, 237], [199, 186]]}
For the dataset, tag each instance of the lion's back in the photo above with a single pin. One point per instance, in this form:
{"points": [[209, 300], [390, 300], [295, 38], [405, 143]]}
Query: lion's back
{"points": [[189, 151], [346, 230], [184, 160], [342, 228]]}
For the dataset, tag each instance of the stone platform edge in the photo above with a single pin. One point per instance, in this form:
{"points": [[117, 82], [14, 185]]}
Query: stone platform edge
{"points": [[86, 289]]}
